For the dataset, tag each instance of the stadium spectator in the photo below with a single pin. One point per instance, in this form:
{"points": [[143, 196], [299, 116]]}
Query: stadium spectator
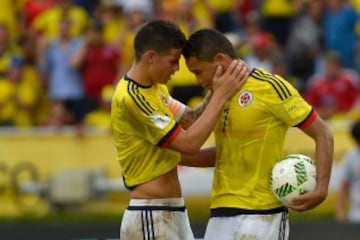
{"points": [[33, 8], [100, 66], [60, 65], [224, 15], [36, 23], [29, 89], [134, 17], [199, 14], [249, 137], [47, 23], [277, 16], [88, 5], [304, 45], [336, 91], [261, 51], [110, 17], [348, 196], [145, 124], [339, 30], [147, 7], [100, 117], [9, 10], [10, 75], [254, 44], [244, 8], [279, 67]]}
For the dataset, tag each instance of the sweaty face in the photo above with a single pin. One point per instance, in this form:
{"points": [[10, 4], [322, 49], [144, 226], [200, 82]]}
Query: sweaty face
{"points": [[204, 71], [164, 66]]}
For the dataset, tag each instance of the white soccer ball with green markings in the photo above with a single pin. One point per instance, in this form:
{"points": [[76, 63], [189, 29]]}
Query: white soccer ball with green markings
{"points": [[293, 176]]}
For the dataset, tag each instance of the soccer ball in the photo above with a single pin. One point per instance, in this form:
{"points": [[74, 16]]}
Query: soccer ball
{"points": [[293, 176]]}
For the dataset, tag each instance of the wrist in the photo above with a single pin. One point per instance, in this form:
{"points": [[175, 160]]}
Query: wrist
{"points": [[218, 99], [323, 192]]}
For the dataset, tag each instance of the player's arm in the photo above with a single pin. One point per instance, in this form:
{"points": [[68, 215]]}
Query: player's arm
{"points": [[190, 115], [205, 158], [324, 143], [225, 86]]}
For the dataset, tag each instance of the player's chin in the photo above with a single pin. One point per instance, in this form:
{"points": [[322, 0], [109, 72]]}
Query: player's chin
{"points": [[165, 80]]}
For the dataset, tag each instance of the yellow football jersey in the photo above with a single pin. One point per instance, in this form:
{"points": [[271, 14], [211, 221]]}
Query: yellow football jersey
{"points": [[222, 5], [48, 21], [144, 122], [250, 137], [278, 8]]}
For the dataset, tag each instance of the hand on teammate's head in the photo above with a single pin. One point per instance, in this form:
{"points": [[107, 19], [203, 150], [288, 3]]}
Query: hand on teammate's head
{"points": [[228, 82]]}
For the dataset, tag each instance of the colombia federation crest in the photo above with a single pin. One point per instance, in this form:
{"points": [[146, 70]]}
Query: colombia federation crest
{"points": [[245, 98]]}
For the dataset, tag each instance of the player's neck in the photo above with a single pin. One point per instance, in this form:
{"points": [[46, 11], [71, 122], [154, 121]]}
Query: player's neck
{"points": [[140, 75]]}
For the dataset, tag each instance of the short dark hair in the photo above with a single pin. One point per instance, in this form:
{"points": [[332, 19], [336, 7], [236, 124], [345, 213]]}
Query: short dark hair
{"points": [[355, 131], [158, 35], [204, 44]]}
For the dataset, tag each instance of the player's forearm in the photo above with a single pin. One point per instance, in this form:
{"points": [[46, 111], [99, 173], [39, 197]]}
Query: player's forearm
{"points": [[324, 156], [190, 115], [225, 85], [205, 158], [191, 140]]}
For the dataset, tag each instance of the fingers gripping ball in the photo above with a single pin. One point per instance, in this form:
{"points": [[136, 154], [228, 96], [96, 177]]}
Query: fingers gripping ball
{"points": [[293, 176]]}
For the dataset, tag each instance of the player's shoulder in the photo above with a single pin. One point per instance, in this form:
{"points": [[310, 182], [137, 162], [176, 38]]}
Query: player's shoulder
{"points": [[134, 97], [124, 91], [272, 85]]}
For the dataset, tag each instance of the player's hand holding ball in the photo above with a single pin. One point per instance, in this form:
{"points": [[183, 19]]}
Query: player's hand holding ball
{"points": [[293, 181]]}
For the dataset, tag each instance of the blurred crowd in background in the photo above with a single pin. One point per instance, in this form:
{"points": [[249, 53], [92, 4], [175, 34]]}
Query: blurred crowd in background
{"points": [[60, 59]]}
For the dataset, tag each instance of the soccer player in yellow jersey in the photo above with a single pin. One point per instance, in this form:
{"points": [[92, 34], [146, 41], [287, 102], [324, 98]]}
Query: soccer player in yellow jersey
{"points": [[149, 139], [249, 138]]}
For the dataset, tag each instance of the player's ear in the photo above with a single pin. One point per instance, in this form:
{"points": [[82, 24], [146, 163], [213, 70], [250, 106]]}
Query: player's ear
{"points": [[149, 56], [220, 59]]}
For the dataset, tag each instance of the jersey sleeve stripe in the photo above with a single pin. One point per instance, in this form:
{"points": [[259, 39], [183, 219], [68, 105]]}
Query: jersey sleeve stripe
{"points": [[272, 84], [308, 120], [283, 86], [170, 136], [138, 99], [142, 98], [280, 88], [144, 101]]}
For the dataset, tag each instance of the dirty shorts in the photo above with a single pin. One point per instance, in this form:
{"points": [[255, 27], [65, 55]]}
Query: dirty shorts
{"points": [[235, 224], [160, 219]]}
